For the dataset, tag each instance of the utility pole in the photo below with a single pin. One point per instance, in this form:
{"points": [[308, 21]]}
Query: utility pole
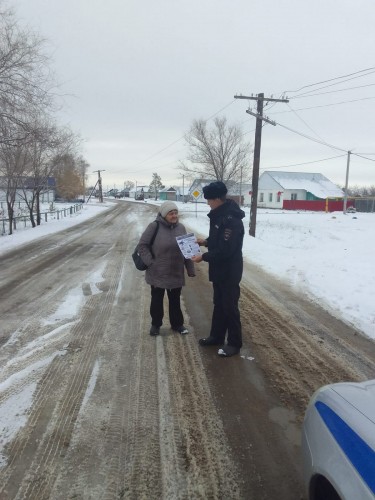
{"points": [[100, 185], [257, 144], [346, 182]]}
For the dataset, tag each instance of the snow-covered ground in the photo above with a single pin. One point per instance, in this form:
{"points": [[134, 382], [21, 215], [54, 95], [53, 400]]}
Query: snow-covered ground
{"points": [[330, 256]]}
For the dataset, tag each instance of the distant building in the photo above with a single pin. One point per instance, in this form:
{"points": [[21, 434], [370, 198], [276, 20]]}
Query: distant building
{"points": [[27, 187], [299, 191], [140, 193], [174, 193], [168, 194], [240, 193]]}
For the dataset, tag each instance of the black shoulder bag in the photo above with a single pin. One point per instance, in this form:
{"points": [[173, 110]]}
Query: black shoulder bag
{"points": [[138, 262]]}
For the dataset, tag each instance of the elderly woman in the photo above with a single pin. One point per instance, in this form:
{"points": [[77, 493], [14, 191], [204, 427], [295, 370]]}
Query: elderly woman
{"points": [[166, 267]]}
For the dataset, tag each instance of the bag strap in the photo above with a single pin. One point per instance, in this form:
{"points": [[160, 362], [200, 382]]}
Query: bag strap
{"points": [[154, 236], [155, 233]]}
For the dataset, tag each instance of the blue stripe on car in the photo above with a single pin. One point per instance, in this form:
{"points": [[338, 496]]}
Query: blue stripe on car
{"points": [[358, 452]]}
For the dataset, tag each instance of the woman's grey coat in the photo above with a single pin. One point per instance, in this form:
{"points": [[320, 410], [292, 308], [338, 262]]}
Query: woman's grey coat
{"points": [[167, 267]]}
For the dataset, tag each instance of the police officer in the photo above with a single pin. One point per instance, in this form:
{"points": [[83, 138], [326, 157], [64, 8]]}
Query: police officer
{"points": [[225, 264]]}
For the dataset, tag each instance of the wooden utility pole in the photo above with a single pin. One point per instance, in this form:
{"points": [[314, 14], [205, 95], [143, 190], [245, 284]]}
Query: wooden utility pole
{"points": [[100, 185], [257, 144], [346, 182]]}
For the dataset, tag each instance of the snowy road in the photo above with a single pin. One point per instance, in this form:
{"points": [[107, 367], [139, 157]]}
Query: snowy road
{"points": [[92, 407]]}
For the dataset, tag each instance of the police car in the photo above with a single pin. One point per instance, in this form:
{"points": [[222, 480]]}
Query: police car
{"points": [[338, 442]]}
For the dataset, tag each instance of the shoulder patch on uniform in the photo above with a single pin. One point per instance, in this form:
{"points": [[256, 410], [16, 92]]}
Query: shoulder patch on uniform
{"points": [[227, 233]]}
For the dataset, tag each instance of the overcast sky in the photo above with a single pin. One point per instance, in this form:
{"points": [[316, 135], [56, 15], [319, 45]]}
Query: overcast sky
{"points": [[137, 74]]}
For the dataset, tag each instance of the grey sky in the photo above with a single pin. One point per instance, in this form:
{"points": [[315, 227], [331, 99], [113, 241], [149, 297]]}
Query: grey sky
{"points": [[141, 72]]}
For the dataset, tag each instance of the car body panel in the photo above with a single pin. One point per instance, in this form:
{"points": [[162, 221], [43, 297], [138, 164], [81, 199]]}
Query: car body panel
{"points": [[338, 439]]}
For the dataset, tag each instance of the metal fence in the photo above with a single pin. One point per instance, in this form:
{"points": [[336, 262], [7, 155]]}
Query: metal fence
{"points": [[365, 204], [24, 220]]}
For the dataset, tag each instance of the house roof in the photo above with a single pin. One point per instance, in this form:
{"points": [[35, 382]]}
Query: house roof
{"points": [[31, 182], [315, 183], [182, 191]]}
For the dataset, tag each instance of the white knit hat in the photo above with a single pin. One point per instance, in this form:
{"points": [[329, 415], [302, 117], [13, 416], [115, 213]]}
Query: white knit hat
{"points": [[166, 207]]}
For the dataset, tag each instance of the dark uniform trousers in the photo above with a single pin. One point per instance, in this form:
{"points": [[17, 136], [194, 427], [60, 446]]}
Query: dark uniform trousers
{"points": [[226, 315], [157, 310]]}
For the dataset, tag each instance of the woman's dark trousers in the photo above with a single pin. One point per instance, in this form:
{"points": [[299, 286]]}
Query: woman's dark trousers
{"points": [[157, 310], [226, 315]]}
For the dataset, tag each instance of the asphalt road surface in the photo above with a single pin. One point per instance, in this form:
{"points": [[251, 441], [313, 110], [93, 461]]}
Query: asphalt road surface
{"points": [[114, 413]]}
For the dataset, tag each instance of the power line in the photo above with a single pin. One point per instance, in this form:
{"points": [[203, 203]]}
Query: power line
{"points": [[332, 85], [325, 105], [303, 121], [177, 140], [311, 138], [364, 157], [333, 79], [305, 163], [322, 142], [333, 91]]}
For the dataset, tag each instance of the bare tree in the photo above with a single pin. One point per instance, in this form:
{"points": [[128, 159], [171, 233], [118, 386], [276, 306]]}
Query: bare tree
{"points": [[25, 77], [217, 153], [129, 185], [46, 144], [360, 191], [13, 165]]}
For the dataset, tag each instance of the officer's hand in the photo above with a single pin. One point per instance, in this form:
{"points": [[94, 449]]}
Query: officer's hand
{"points": [[197, 258], [202, 242]]}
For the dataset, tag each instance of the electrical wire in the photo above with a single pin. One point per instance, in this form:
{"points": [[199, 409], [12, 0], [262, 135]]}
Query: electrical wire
{"points": [[333, 79], [182, 137], [364, 157], [305, 163], [325, 105], [303, 121], [333, 91], [311, 138], [307, 94]]}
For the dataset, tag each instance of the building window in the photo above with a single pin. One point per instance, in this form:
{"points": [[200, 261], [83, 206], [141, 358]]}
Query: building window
{"points": [[261, 197], [293, 196], [269, 196], [278, 197]]}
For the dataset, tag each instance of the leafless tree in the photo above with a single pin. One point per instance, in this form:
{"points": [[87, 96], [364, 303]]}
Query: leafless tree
{"points": [[32, 146], [25, 78], [128, 184], [12, 166], [218, 153], [45, 145], [360, 191]]}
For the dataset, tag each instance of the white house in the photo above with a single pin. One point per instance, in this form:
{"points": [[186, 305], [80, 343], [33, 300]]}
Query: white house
{"points": [[274, 188], [240, 192]]}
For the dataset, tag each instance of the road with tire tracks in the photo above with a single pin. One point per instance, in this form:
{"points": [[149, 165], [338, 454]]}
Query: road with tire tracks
{"points": [[103, 410]]}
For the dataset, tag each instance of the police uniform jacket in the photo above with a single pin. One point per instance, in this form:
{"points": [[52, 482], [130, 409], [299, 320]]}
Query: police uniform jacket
{"points": [[224, 243]]}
